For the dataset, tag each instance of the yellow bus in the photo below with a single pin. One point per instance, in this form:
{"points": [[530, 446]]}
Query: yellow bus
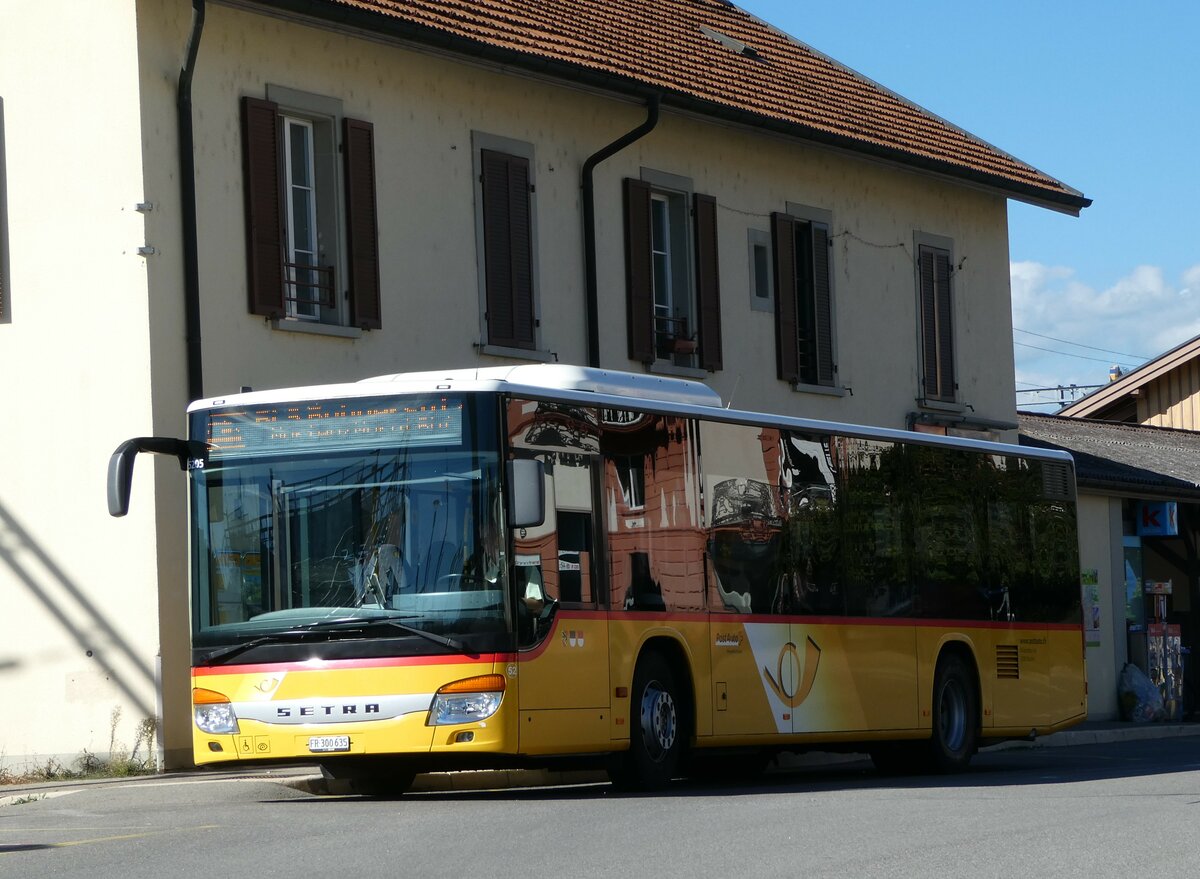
{"points": [[544, 564]]}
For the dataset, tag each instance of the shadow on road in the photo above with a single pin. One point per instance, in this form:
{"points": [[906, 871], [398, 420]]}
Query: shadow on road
{"points": [[1017, 767]]}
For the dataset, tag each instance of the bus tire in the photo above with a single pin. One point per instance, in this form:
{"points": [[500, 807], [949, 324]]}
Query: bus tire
{"points": [[657, 732], [955, 716]]}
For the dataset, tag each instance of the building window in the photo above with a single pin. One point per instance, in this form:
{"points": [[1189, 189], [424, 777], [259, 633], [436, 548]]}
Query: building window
{"points": [[674, 318], [673, 303], [311, 219], [308, 284], [506, 236], [761, 284], [5, 285], [936, 315], [804, 326], [631, 474]]}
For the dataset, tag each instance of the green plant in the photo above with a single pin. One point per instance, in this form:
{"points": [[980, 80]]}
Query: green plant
{"points": [[121, 761]]}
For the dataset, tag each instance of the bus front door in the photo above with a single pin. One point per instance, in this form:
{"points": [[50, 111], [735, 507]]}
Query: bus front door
{"points": [[563, 690]]}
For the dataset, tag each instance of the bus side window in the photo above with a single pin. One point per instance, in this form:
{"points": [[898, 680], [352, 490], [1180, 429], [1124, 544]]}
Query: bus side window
{"points": [[651, 498]]}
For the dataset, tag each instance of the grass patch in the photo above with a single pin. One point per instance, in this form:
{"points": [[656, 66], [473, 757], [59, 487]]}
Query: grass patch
{"points": [[122, 761]]}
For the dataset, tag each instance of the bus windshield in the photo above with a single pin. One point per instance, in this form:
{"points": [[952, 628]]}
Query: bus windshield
{"points": [[349, 520]]}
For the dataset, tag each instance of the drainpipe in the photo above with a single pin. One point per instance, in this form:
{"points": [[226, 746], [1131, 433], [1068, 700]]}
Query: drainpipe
{"points": [[187, 208], [589, 224]]}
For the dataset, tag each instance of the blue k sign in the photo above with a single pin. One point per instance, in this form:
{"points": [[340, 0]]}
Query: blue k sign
{"points": [[1157, 518]]}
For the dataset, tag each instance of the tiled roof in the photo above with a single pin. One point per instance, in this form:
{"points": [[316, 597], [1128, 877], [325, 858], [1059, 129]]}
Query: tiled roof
{"points": [[1157, 461], [708, 56]]}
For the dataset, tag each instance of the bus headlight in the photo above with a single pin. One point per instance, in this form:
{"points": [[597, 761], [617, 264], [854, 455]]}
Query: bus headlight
{"points": [[467, 701], [213, 713]]}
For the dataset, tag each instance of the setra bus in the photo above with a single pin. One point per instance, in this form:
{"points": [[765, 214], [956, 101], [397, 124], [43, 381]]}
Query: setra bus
{"points": [[529, 565]]}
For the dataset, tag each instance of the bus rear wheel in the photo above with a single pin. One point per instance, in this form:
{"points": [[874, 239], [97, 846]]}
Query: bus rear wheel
{"points": [[658, 731], [955, 716]]}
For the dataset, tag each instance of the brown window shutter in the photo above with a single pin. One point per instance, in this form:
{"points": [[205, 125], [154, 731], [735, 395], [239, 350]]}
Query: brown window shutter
{"points": [[508, 250], [708, 290], [783, 244], [823, 305], [937, 334], [929, 370], [362, 226], [945, 328], [264, 216], [639, 269]]}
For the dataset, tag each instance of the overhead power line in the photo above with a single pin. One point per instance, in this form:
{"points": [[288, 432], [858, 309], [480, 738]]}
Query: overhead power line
{"points": [[1067, 354], [1059, 389], [1078, 345]]}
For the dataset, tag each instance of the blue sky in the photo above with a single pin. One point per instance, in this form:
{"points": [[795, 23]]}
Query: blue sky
{"points": [[1103, 95]]}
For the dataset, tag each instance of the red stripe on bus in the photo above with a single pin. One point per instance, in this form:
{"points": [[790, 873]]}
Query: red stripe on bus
{"points": [[340, 664]]}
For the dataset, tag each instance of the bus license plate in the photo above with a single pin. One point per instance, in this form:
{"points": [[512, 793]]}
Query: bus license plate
{"points": [[325, 744]]}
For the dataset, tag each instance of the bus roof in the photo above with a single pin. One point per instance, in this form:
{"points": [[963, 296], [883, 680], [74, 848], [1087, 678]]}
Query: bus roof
{"points": [[604, 388]]}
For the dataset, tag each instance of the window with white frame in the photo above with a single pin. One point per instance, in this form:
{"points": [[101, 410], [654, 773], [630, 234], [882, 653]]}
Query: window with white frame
{"points": [[309, 283], [311, 211], [672, 293], [674, 318]]}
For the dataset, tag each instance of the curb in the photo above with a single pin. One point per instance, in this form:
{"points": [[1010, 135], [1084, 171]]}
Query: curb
{"points": [[451, 782], [1126, 733]]}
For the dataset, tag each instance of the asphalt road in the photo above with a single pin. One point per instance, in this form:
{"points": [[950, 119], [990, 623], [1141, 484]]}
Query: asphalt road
{"points": [[1129, 809]]}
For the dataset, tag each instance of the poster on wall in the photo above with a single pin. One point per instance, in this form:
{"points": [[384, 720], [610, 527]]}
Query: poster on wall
{"points": [[1090, 582]]}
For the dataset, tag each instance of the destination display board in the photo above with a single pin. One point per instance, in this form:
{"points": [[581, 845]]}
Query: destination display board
{"points": [[334, 425]]}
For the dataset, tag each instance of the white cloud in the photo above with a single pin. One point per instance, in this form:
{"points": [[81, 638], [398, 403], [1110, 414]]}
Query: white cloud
{"points": [[1140, 316]]}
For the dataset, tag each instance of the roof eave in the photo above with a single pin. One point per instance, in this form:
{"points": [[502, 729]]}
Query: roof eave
{"points": [[1111, 394], [375, 24]]}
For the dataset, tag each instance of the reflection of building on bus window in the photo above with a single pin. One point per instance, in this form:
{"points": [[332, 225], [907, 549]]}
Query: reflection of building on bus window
{"points": [[391, 571], [535, 603], [529, 585], [631, 473]]}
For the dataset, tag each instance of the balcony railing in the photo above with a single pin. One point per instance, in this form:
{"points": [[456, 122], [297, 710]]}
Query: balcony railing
{"points": [[671, 337], [308, 285]]}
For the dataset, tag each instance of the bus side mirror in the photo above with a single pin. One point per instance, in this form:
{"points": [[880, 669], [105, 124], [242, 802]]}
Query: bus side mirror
{"points": [[120, 465], [527, 493], [120, 478]]}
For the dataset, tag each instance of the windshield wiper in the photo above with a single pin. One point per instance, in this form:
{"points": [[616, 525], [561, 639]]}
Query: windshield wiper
{"points": [[224, 653], [334, 625]]}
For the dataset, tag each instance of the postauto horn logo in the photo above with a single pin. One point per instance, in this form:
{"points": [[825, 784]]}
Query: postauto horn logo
{"points": [[790, 654]]}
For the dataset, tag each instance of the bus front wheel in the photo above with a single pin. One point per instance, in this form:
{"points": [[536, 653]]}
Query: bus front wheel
{"points": [[955, 716], [368, 778], [657, 734]]}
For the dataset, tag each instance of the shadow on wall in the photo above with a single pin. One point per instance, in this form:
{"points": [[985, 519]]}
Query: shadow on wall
{"points": [[47, 582]]}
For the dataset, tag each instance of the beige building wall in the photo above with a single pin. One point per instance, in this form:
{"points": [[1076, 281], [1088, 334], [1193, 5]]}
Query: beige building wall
{"points": [[92, 604], [425, 109], [78, 608]]}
